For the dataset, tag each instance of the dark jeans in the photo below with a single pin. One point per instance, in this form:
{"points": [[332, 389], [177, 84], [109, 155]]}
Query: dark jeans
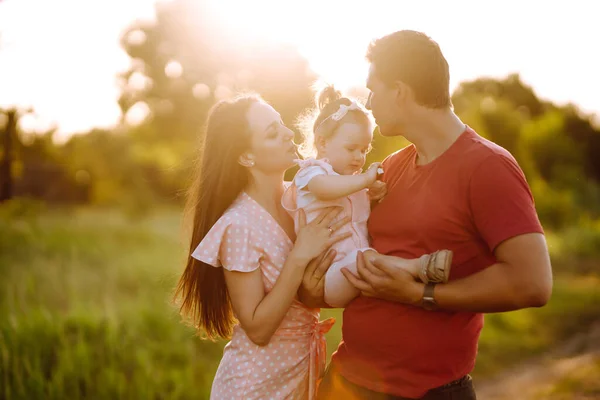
{"points": [[334, 386]]}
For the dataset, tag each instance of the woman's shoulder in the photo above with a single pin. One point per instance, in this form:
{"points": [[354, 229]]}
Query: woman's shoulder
{"points": [[240, 213], [230, 241]]}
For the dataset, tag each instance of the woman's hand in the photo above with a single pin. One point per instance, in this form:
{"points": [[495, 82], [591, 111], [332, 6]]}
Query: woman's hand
{"points": [[318, 236], [312, 291]]}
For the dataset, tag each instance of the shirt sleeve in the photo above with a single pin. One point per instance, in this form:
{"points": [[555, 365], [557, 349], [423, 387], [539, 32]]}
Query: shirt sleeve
{"points": [[501, 201]]}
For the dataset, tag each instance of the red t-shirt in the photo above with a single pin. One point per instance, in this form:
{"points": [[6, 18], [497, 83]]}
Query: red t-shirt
{"points": [[468, 200]]}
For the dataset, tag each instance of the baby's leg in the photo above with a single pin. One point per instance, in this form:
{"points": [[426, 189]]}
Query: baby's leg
{"points": [[411, 265], [338, 290], [433, 267]]}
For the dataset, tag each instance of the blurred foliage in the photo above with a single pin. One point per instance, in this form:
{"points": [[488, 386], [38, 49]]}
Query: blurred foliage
{"points": [[186, 60], [140, 165], [86, 311], [555, 146], [181, 64], [90, 316]]}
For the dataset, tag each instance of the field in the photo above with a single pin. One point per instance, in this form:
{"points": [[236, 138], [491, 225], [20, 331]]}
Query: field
{"points": [[85, 299]]}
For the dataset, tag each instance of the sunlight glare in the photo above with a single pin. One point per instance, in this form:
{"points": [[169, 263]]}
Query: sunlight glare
{"points": [[137, 113], [477, 38], [201, 91], [173, 69], [339, 61]]}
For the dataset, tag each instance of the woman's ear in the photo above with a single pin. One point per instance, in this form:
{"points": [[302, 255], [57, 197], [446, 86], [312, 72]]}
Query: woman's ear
{"points": [[246, 160]]}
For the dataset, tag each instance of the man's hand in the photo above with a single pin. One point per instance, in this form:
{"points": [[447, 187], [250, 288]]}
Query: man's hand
{"points": [[379, 276], [312, 290], [377, 191]]}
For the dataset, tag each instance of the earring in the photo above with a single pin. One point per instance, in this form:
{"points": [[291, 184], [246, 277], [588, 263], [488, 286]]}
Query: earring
{"points": [[251, 163]]}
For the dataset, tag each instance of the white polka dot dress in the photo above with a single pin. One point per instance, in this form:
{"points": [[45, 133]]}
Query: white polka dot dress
{"points": [[245, 238]]}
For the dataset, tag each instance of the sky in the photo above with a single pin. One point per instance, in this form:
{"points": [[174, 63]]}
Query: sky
{"points": [[62, 57]]}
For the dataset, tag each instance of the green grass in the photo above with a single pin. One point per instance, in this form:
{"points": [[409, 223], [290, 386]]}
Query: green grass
{"points": [[85, 300], [86, 312]]}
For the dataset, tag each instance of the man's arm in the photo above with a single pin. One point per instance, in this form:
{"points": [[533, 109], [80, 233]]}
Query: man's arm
{"points": [[503, 213], [521, 278]]}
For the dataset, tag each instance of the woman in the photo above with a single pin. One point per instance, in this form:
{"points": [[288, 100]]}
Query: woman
{"points": [[246, 263]]}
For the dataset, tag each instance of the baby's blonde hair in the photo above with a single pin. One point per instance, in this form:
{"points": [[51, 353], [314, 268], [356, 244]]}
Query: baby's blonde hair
{"points": [[314, 123]]}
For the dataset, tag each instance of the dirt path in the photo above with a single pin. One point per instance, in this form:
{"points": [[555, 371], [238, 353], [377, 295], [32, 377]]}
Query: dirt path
{"points": [[527, 380]]}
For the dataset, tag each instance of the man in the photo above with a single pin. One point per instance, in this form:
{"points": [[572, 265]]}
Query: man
{"points": [[450, 189]]}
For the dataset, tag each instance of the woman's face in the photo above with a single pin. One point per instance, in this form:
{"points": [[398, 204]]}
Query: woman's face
{"points": [[272, 147]]}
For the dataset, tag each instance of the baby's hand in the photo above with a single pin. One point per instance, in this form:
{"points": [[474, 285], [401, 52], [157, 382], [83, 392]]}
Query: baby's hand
{"points": [[372, 173], [377, 191]]}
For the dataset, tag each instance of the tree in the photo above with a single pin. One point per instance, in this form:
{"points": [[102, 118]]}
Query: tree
{"points": [[10, 145], [9, 137], [184, 62], [555, 146]]}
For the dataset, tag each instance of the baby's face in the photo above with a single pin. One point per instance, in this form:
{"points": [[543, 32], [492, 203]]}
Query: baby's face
{"points": [[347, 148]]}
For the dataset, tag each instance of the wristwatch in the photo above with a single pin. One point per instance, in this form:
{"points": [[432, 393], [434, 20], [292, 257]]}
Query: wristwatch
{"points": [[428, 301]]}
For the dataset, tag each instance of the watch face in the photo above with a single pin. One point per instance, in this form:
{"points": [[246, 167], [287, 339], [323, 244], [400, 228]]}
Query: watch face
{"points": [[429, 303], [428, 300]]}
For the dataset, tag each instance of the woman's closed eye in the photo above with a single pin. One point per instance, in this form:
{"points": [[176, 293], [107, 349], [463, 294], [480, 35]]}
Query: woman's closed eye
{"points": [[274, 130], [272, 133]]}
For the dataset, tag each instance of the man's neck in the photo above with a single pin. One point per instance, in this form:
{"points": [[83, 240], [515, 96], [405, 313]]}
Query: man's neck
{"points": [[435, 134]]}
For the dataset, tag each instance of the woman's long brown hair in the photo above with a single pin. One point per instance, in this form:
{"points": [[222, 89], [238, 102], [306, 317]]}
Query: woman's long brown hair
{"points": [[218, 181]]}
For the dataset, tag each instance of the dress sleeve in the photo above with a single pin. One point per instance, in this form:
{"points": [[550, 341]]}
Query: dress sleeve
{"points": [[229, 244]]}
